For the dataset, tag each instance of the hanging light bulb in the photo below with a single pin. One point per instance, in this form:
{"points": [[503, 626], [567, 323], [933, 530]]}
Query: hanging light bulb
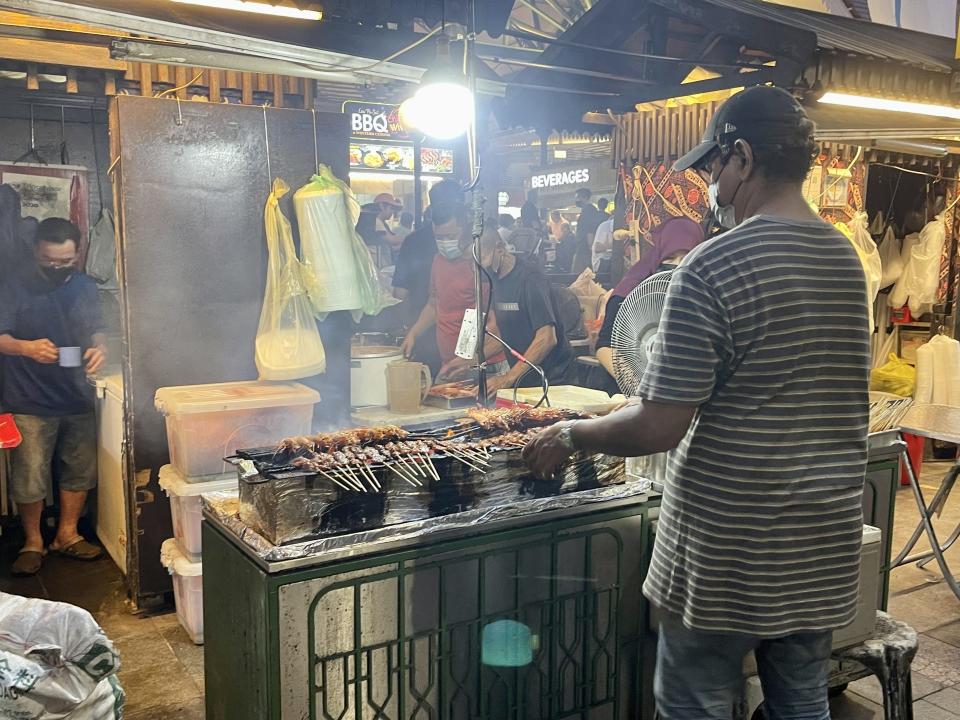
{"points": [[442, 107]]}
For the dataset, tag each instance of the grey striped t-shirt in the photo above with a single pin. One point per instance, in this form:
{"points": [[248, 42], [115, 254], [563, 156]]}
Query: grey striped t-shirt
{"points": [[765, 329]]}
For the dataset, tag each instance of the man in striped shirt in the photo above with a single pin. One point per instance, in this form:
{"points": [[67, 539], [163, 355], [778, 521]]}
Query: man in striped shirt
{"points": [[757, 385]]}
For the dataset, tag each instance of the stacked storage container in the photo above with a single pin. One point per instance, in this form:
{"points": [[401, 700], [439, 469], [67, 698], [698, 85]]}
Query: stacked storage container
{"points": [[206, 423]]}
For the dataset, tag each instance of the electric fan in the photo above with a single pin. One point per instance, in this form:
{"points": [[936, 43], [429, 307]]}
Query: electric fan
{"points": [[635, 331], [631, 342]]}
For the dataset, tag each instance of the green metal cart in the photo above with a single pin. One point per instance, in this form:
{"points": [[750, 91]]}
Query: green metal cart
{"points": [[535, 616]]}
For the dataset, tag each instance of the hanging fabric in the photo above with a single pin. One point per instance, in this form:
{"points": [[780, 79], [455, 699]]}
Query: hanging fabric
{"points": [[340, 272], [102, 255], [288, 344]]}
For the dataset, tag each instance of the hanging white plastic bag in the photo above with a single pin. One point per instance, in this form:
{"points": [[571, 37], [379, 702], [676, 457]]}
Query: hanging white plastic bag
{"points": [[900, 294], [340, 272], [890, 259], [921, 285], [870, 259], [288, 343]]}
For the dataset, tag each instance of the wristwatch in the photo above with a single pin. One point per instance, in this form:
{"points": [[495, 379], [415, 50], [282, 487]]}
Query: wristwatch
{"points": [[566, 436]]}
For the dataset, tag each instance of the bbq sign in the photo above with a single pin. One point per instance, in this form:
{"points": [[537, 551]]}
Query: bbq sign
{"points": [[375, 120], [577, 176]]}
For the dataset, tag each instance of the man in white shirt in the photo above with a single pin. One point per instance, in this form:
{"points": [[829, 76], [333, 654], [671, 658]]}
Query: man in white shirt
{"points": [[603, 245]]}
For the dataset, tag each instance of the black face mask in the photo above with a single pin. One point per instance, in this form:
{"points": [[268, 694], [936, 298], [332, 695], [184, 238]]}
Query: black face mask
{"points": [[57, 276]]}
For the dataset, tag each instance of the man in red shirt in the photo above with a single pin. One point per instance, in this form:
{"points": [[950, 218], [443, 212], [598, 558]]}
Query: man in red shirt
{"points": [[452, 289]]}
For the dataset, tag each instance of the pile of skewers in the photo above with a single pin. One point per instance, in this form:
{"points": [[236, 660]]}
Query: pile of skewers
{"points": [[887, 413], [351, 459]]}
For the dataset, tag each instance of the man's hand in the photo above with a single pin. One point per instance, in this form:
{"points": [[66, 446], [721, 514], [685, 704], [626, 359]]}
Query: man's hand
{"points": [[41, 351], [408, 344], [545, 453], [95, 358], [498, 382], [453, 369]]}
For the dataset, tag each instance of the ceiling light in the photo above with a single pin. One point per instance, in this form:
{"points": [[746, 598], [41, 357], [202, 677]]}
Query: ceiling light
{"points": [[257, 7], [442, 107], [863, 102]]}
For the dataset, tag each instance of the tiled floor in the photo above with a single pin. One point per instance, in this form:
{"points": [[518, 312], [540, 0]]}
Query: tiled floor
{"points": [[163, 670]]}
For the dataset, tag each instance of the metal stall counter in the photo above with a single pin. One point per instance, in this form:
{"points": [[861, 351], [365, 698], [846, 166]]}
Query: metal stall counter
{"points": [[528, 610]]}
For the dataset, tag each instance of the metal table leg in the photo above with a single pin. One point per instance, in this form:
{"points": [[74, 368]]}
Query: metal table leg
{"points": [[936, 506], [926, 525]]}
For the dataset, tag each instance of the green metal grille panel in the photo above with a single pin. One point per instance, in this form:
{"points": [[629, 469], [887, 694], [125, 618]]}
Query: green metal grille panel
{"points": [[418, 642]]}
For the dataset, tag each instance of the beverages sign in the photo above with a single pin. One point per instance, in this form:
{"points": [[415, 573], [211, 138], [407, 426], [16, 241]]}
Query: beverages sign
{"points": [[561, 178], [375, 120]]}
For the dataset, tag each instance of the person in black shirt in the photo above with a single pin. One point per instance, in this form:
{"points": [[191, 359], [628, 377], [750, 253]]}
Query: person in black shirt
{"points": [[587, 224], [527, 316]]}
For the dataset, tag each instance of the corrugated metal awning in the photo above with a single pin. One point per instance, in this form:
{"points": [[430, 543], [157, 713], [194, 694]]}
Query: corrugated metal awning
{"points": [[840, 124], [932, 52]]}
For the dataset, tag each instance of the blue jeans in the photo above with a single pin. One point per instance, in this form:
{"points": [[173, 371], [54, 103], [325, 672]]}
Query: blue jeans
{"points": [[700, 675]]}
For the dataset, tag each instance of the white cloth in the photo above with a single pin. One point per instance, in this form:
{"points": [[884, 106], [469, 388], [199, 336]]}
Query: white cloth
{"points": [[603, 243]]}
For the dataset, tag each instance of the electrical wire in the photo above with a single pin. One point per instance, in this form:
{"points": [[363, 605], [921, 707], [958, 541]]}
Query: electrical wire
{"points": [[378, 63], [856, 159], [182, 87]]}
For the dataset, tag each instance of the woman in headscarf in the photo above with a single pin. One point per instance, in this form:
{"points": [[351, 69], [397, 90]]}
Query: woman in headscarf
{"points": [[672, 240]]}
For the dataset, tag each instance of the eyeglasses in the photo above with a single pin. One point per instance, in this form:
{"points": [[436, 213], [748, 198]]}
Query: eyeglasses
{"points": [[57, 263]]}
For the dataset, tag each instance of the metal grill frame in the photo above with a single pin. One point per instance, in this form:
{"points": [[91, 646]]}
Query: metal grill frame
{"points": [[550, 668]]}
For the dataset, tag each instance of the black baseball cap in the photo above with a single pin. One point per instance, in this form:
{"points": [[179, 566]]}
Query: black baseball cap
{"points": [[761, 115]]}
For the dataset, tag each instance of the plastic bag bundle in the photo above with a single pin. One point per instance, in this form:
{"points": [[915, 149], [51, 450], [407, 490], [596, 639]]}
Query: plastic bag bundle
{"points": [[895, 376], [923, 393], [55, 663], [869, 257], [942, 356], [288, 342], [926, 267], [890, 260], [917, 286], [340, 272]]}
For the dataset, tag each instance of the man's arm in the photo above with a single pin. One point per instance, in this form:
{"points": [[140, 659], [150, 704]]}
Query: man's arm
{"points": [[642, 427], [544, 341], [428, 316], [603, 240], [42, 351]]}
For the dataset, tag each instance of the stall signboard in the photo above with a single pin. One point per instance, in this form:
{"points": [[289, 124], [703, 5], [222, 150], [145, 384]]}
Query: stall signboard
{"points": [[380, 143], [379, 121], [560, 178], [399, 158]]}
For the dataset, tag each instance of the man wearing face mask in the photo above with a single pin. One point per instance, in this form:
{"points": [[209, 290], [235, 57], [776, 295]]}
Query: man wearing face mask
{"points": [[452, 289], [764, 405], [51, 338], [528, 315]]}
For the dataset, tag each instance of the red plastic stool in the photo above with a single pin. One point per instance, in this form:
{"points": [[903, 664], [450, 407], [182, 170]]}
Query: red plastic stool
{"points": [[915, 453], [9, 432]]}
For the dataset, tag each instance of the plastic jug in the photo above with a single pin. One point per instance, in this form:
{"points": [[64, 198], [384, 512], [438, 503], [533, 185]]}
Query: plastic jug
{"points": [[407, 385]]}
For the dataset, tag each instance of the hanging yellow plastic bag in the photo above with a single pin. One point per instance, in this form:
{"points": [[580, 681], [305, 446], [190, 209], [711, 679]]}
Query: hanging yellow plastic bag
{"points": [[340, 273], [896, 377], [288, 343]]}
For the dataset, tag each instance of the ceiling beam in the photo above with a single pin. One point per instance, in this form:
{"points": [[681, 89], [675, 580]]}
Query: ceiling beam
{"points": [[315, 58]]}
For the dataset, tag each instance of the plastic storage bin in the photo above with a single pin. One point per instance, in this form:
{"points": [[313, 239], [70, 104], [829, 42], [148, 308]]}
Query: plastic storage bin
{"points": [[205, 423], [186, 511], [187, 588], [870, 561]]}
